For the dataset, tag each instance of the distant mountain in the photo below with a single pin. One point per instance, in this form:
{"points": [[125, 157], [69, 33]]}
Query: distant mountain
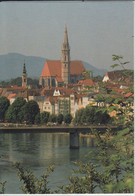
{"points": [[95, 70], [11, 66]]}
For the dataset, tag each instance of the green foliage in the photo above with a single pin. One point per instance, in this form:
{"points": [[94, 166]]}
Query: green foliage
{"points": [[15, 112], [4, 104], [87, 74], [44, 117], [115, 154], [90, 179], [33, 185], [98, 78], [37, 119], [100, 98], [60, 118], [2, 187], [68, 118], [30, 109], [116, 174], [52, 118], [18, 82], [118, 58], [92, 115]]}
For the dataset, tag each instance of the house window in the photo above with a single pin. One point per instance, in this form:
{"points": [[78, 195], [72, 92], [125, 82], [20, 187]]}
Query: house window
{"points": [[65, 58], [65, 65]]}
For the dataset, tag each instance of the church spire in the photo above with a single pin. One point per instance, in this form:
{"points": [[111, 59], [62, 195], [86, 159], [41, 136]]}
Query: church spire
{"points": [[65, 36], [24, 68], [65, 59], [24, 77]]}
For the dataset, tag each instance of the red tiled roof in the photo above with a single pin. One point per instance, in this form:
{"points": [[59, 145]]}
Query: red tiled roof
{"points": [[52, 100], [106, 74], [87, 82], [11, 95], [129, 95], [53, 68], [76, 67], [80, 95]]}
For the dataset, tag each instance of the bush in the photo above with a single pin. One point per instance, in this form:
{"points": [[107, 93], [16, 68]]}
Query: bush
{"points": [[60, 118], [67, 118], [44, 117], [52, 118]]}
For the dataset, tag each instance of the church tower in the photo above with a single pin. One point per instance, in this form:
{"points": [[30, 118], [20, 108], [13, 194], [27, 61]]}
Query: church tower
{"points": [[24, 77], [65, 59]]}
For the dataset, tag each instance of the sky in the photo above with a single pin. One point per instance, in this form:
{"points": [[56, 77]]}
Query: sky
{"points": [[96, 30]]}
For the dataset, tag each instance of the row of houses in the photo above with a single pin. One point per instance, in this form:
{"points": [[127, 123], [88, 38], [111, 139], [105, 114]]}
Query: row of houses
{"points": [[68, 99]]}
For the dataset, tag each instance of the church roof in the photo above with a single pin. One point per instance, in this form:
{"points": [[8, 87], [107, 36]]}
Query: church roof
{"points": [[53, 68], [76, 67]]}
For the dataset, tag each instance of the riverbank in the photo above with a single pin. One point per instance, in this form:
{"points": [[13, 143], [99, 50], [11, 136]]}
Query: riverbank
{"points": [[84, 131]]}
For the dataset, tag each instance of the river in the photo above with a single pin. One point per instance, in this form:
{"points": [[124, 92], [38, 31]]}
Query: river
{"points": [[37, 151]]}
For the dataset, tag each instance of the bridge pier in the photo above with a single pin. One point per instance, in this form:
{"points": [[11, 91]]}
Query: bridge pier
{"points": [[74, 140]]}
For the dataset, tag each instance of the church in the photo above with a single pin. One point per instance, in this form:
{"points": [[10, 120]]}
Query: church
{"points": [[63, 72]]}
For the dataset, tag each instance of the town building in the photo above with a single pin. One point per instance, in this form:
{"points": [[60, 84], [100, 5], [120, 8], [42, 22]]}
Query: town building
{"points": [[119, 76], [62, 72]]}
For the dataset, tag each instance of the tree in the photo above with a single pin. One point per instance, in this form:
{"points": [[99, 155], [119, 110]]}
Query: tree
{"points": [[4, 104], [2, 187], [101, 115], [87, 74], [68, 118], [30, 109], [33, 185], [78, 115], [100, 99], [92, 115], [37, 119], [119, 58], [53, 118], [116, 155], [15, 111], [44, 117], [60, 118], [18, 82]]}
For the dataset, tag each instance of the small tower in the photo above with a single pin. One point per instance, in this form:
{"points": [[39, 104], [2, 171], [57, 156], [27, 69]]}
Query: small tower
{"points": [[24, 77], [65, 59]]}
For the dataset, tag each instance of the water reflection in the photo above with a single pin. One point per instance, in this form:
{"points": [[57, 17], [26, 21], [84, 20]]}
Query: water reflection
{"points": [[38, 151]]}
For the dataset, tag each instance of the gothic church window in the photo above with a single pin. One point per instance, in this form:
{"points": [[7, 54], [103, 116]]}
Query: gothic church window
{"points": [[53, 83], [49, 82]]}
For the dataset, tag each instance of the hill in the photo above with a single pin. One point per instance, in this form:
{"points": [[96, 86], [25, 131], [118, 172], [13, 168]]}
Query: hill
{"points": [[11, 66]]}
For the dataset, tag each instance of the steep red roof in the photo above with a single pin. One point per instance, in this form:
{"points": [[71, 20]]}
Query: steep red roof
{"points": [[11, 95], [78, 96], [76, 67], [52, 100], [87, 82], [53, 68], [129, 95]]}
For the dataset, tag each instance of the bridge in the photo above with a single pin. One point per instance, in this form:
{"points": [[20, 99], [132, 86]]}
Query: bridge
{"points": [[73, 131]]}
